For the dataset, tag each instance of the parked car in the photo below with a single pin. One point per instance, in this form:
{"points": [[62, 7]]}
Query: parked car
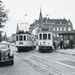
{"points": [[6, 55]]}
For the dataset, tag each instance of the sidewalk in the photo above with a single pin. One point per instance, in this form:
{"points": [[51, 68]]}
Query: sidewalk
{"points": [[66, 51]]}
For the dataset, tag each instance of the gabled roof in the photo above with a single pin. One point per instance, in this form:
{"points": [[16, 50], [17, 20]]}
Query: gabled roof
{"points": [[64, 21]]}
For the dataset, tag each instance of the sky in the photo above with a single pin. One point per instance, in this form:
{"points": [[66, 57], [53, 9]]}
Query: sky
{"points": [[25, 12]]}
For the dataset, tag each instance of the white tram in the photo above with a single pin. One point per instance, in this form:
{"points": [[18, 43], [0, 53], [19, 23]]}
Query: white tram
{"points": [[24, 41], [45, 39]]}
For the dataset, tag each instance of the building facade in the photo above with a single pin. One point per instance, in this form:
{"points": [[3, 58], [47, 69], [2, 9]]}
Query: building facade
{"points": [[11, 38], [59, 26]]}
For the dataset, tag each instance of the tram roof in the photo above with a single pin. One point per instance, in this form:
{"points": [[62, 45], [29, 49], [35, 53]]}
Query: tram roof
{"points": [[22, 32], [27, 33]]}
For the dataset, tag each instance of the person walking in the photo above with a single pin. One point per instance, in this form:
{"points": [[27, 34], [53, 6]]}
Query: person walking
{"points": [[64, 44], [61, 44], [54, 44], [71, 43]]}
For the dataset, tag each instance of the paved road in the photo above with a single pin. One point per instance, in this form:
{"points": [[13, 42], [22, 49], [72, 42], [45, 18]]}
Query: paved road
{"points": [[36, 63], [20, 67], [59, 63]]}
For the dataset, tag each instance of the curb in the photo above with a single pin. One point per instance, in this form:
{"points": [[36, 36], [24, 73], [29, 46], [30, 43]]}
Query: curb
{"points": [[65, 53]]}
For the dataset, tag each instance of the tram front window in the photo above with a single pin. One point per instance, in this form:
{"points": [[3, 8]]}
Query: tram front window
{"points": [[49, 36], [44, 36], [20, 38], [16, 38], [24, 38], [40, 36]]}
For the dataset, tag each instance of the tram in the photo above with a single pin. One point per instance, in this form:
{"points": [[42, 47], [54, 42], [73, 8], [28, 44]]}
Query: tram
{"points": [[45, 39], [24, 41]]}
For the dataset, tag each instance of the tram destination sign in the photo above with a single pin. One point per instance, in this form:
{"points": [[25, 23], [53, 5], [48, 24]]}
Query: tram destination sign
{"points": [[46, 28]]}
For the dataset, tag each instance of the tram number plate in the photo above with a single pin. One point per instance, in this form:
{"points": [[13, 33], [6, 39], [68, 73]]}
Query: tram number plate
{"points": [[20, 42]]}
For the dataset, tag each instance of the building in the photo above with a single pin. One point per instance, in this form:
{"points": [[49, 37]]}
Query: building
{"points": [[59, 26], [11, 38]]}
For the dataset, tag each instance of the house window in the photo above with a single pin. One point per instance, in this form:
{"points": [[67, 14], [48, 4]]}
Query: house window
{"points": [[54, 29], [60, 28], [69, 28], [64, 28], [69, 23], [60, 22], [57, 28]]}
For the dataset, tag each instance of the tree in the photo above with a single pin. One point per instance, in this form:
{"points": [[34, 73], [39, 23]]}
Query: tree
{"points": [[3, 17]]}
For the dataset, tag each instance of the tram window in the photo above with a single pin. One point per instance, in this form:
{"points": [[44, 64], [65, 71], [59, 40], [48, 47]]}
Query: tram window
{"points": [[44, 36], [28, 38], [49, 36], [40, 36], [24, 37], [20, 38], [16, 38]]}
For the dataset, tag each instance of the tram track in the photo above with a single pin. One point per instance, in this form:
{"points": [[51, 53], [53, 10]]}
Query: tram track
{"points": [[67, 60], [61, 66], [49, 56], [40, 65], [46, 64]]}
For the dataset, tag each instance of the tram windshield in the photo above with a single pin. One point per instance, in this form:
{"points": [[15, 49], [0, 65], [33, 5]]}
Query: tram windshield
{"points": [[24, 37], [40, 36], [20, 38], [49, 36], [16, 38], [44, 36]]}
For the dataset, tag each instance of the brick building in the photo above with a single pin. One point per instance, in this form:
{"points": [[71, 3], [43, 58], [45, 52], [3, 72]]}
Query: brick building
{"points": [[59, 26]]}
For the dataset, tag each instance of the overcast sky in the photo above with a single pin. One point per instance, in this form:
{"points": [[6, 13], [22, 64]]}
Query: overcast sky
{"points": [[55, 9]]}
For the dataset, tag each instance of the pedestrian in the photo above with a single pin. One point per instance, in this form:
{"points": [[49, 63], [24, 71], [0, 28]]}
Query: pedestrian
{"points": [[64, 44], [71, 44], [61, 44], [67, 45], [54, 44]]}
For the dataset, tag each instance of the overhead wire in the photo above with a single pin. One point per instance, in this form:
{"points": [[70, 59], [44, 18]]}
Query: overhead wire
{"points": [[61, 8], [26, 13], [57, 10]]}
